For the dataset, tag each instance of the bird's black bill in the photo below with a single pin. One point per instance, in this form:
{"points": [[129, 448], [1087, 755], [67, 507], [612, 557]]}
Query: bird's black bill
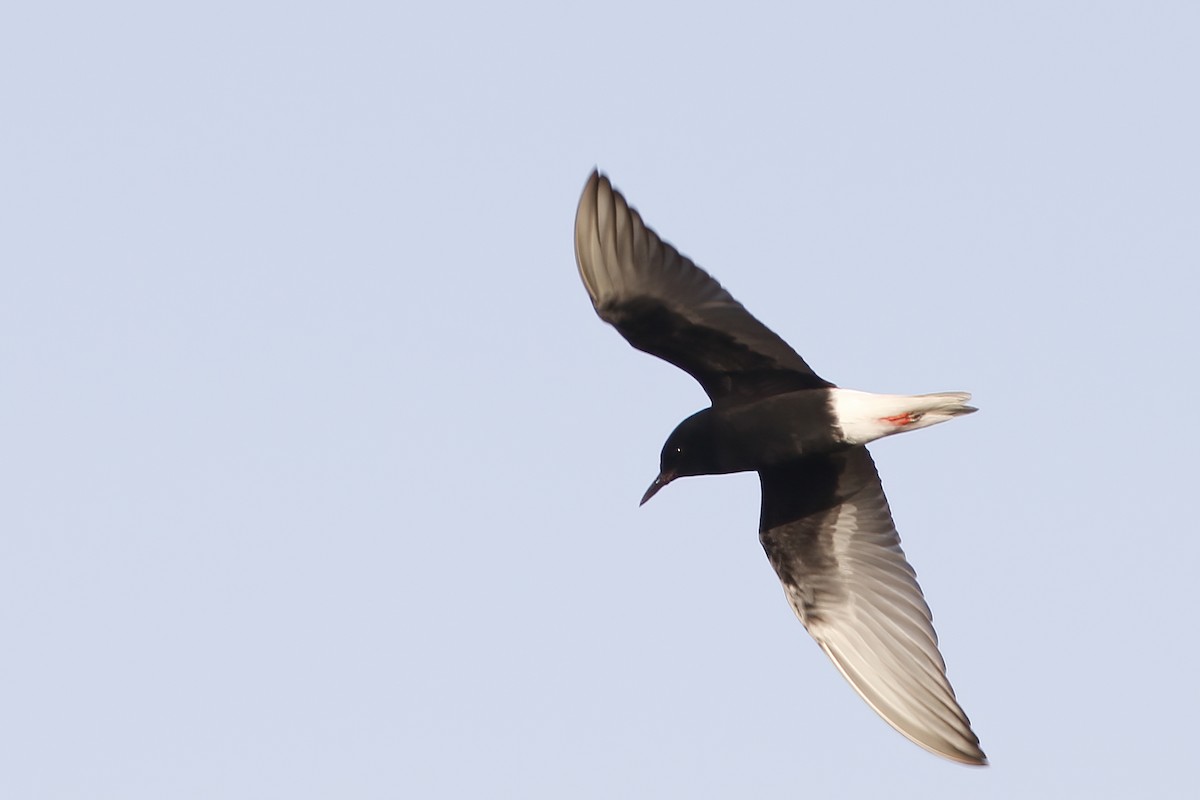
{"points": [[662, 480]]}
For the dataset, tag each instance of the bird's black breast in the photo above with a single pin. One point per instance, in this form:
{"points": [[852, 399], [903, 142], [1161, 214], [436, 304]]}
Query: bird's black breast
{"points": [[781, 428]]}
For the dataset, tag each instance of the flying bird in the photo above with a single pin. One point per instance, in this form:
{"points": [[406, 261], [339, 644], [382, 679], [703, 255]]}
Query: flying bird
{"points": [[825, 523]]}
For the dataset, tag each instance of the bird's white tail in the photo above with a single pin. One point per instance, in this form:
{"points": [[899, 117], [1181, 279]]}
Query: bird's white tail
{"points": [[864, 417]]}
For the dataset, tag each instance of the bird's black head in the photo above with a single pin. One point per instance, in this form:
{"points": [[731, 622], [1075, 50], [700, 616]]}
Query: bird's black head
{"points": [[691, 449]]}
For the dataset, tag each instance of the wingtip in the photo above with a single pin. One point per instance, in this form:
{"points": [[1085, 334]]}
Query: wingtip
{"points": [[592, 189], [968, 754], [594, 180], [586, 230], [967, 759]]}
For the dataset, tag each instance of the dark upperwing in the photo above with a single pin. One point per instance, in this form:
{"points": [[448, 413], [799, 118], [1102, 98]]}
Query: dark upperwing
{"points": [[665, 305]]}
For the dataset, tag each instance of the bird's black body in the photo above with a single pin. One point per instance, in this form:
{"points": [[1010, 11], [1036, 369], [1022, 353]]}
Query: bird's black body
{"points": [[825, 524], [752, 435]]}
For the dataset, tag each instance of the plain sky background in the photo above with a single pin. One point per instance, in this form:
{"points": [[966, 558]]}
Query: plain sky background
{"points": [[320, 475]]}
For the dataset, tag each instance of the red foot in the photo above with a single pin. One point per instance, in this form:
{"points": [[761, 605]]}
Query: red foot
{"points": [[900, 419]]}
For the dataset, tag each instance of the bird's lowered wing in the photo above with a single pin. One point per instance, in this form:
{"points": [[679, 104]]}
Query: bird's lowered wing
{"points": [[828, 533], [667, 306]]}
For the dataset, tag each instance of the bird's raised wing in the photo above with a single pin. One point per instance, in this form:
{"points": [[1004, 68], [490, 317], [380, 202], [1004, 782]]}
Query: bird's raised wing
{"points": [[667, 306], [829, 534]]}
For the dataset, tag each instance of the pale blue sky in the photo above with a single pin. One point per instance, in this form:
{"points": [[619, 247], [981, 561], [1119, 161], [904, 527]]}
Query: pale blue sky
{"points": [[320, 475]]}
